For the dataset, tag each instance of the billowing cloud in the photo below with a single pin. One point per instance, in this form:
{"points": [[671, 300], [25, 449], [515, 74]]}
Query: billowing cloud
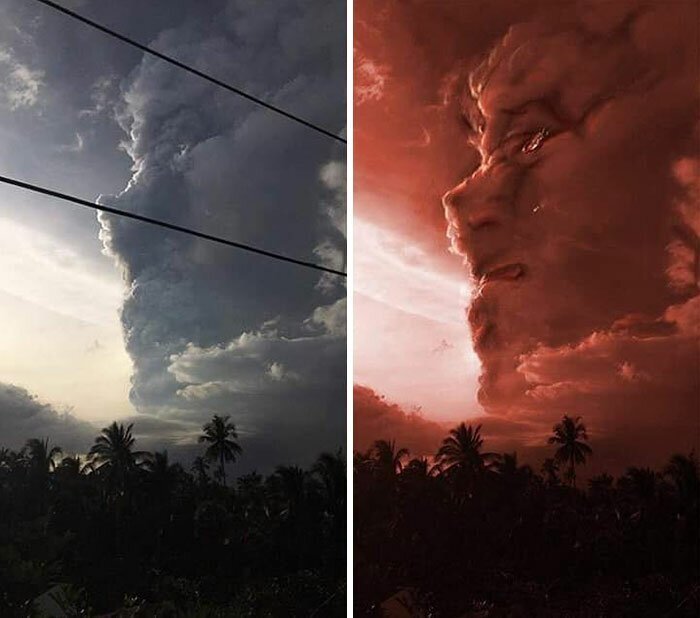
{"points": [[331, 250], [211, 329], [265, 361]]}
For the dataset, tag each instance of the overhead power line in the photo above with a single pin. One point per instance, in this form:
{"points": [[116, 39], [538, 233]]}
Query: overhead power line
{"points": [[170, 226], [193, 71]]}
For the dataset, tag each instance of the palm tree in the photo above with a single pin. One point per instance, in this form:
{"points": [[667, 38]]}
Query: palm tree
{"points": [[292, 486], [221, 436], [550, 470], [200, 469], [461, 454], [41, 457], [162, 475], [112, 455], [512, 473], [684, 472], [419, 468], [641, 485], [570, 434], [41, 460], [330, 469], [72, 467], [387, 458], [252, 499], [600, 487]]}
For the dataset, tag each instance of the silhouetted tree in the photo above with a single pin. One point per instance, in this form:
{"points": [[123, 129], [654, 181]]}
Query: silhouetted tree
{"points": [[550, 469], [460, 456], [684, 473], [387, 458], [419, 467], [133, 533], [162, 475], [330, 470], [600, 487], [522, 545], [42, 459], [292, 488], [221, 437], [72, 467], [511, 472], [113, 458], [200, 469], [570, 434]]}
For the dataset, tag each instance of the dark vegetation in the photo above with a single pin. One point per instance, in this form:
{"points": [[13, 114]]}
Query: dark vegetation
{"points": [[129, 533], [476, 534]]}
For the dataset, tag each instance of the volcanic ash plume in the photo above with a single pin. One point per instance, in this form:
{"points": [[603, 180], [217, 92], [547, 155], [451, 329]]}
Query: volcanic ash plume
{"points": [[580, 225]]}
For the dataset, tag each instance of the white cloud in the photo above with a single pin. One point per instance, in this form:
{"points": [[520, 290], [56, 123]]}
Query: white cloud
{"points": [[263, 361], [332, 318], [331, 250], [370, 79], [20, 84]]}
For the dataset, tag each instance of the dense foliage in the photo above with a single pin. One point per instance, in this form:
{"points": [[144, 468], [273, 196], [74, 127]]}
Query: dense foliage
{"points": [[129, 533], [471, 533]]}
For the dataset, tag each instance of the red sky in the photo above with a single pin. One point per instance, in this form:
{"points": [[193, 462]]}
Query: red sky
{"points": [[602, 218]]}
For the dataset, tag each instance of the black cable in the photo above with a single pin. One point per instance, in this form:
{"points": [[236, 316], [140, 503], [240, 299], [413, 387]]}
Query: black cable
{"points": [[189, 69], [170, 226]]}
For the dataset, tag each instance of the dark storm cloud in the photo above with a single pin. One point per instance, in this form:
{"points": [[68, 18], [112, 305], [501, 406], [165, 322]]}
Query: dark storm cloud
{"points": [[375, 418], [198, 319], [23, 416]]}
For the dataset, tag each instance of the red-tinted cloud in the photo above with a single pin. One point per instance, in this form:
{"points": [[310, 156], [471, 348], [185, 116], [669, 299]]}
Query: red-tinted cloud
{"points": [[568, 135], [377, 419]]}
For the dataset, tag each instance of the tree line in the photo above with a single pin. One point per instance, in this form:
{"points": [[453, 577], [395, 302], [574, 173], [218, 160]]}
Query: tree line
{"points": [[474, 533], [125, 532]]}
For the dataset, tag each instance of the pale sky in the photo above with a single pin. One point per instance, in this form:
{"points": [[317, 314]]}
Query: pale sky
{"points": [[59, 295], [62, 335], [411, 341]]}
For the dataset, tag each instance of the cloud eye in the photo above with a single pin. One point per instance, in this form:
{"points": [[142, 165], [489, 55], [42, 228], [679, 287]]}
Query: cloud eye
{"points": [[534, 141]]}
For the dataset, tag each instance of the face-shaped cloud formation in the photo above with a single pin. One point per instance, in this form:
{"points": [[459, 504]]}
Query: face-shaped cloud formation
{"points": [[215, 330], [568, 221], [575, 207], [576, 223]]}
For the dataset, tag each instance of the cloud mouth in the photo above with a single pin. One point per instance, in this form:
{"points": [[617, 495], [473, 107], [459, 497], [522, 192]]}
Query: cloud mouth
{"points": [[506, 273]]}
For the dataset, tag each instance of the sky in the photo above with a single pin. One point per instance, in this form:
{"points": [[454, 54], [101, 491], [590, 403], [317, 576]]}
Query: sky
{"points": [[530, 172], [108, 319]]}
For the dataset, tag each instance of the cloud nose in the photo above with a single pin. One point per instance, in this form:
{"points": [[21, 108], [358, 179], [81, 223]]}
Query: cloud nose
{"points": [[477, 203]]}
